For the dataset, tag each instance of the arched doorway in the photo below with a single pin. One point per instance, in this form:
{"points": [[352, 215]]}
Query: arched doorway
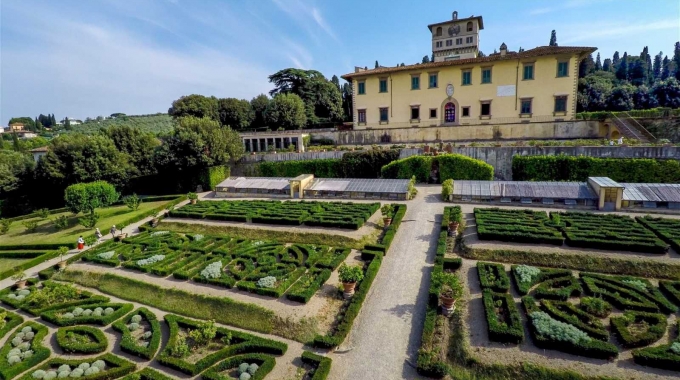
{"points": [[449, 113], [615, 135]]}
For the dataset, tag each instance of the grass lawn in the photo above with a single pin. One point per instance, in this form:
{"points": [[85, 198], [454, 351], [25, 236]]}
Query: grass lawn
{"points": [[6, 264], [47, 234]]}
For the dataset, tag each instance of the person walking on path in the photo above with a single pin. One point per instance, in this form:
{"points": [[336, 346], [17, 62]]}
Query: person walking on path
{"points": [[113, 231], [81, 242], [98, 234]]}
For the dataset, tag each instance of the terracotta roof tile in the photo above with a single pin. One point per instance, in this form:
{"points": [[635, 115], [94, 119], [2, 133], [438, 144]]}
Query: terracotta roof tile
{"points": [[536, 52]]}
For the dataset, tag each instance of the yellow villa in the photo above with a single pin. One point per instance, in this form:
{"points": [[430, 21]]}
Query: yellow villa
{"points": [[462, 88]]}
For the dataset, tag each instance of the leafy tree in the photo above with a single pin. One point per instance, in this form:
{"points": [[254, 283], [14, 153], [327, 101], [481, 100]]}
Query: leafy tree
{"points": [[86, 197], [426, 59], [667, 68], [637, 71], [294, 81], [621, 98], [117, 114], [14, 168], [667, 93], [607, 65], [259, 105], [132, 202], [25, 120], [676, 60], [2, 143], [336, 82], [622, 70], [598, 63], [594, 90], [643, 99], [553, 38], [138, 145], [657, 68], [616, 60], [587, 66], [235, 113], [75, 158], [321, 97], [199, 143], [432, 58], [195, 105], [286, 111]]}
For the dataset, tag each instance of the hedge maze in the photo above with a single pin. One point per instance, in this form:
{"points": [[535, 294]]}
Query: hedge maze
{"points": [[321, 214], [579, 229], [263, 267], [585, 314]]}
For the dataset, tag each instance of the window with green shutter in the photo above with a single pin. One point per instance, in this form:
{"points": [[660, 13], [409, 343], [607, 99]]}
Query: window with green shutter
{"points": [[528, 72], [563, 69], [383, 85], [467, 78], [486, 75], [415, 83], [433, 80], [362, 88]]}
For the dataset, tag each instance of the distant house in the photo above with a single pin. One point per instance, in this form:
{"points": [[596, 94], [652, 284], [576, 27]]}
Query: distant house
{"points": [[16, 127], [38, 152], [26, 134], [72, 121]]}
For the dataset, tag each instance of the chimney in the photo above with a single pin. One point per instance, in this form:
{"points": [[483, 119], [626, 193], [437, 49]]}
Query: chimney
{"points": [[455, 15], [358, 69], [504, 49]]}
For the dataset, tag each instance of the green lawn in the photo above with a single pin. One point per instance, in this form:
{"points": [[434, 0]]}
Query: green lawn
{"points": [[47, 234], [6, 264]]}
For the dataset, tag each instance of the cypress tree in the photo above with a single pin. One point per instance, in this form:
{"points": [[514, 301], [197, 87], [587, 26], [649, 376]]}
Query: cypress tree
{"points": [[553, 38]]}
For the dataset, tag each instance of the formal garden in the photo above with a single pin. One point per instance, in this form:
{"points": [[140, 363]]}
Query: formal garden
{"points": [[649, 235], [493, 313]]}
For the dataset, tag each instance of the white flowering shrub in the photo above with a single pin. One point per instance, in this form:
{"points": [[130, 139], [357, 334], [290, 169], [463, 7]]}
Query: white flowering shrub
{"points": [[87, 312], [267, 282], [636, 284], [146, 335], [77, 373], [527, 273], [91, 371], [77, 311], [17, 341], [151, 260], [68, 315], [244, 376], [133, 326], [24, 292], [253, 368], [39, 374], [84, 366], [97, 313], [64, 367], [136, 318], [12, 296], [198, 237], [108, 311], [20, 297], [106, 255], [675, 348], [159, 233], [213, 270], [50, 375], [14, 359], [559, 331], [99, 364], [26, 354], [29, 335], [243, 367], [64, 374]]}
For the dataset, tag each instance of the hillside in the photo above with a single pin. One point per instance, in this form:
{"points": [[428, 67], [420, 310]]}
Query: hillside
{"points": [[157, 123]]}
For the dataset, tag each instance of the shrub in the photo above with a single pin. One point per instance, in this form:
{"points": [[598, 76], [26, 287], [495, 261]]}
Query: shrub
{"points": [[60, 222], [447, 189], [666, 356], [624, 296], [5, 224], [519, 226], [81, 339], [213, 270], [16, 356], [89, 220], [595, 306], [502, 317], [105, 367], [350, 274], [267, 282], [65, 317], [255, 365], [42, 213], [132, 202], [493, 276], [560, 288], [30, 225], [653, 326], [322, 364], [86, 197], [451, 166]]}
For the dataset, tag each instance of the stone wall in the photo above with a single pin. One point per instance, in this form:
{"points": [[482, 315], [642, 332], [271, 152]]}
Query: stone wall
{"points": [[520, 131]]}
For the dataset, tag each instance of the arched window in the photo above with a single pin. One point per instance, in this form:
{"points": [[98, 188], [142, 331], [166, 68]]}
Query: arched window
{"points": [[439, 31], [450, 113], [469, 26]]}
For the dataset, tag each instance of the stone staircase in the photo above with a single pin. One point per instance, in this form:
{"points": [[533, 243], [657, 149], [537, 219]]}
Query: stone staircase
{"points": [[631, 128]]}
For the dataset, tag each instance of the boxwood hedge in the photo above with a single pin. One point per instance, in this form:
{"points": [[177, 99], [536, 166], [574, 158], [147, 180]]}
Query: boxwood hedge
{"points": [[659, 356], [265, 365], [627, 293], [544, 274], [60, 318], [97, 340], [505, 328], [656, 328], [128, 343], [115, 367], [321, 364], [451, 166], [10, 321], [40, 352], [147, 374], [492, 276]]}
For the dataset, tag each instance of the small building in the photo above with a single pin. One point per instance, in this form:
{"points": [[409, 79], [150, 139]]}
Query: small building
{"points": [[38, 152], [26, 134], [610, 193], [564, 194], [651, 195], [273, 141], [16, 127]]}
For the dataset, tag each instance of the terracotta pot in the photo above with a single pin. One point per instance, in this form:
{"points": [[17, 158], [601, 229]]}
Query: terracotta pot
{"points": [[21, 284], [453, 226], [193, 201], [387, 221], [448, 305], [349, 289], [426, 149], [61, 264]]}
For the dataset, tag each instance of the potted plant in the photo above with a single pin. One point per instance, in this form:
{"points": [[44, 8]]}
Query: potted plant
{"points": [[349, 276], [20, 279], [387, 210], [62, 263], [193, 197], [453, 226], [450, 292]]}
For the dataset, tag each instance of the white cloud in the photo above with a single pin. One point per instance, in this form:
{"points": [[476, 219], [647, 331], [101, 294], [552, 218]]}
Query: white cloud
{"points": [[565, 5], [309, 17], [616, 29]]}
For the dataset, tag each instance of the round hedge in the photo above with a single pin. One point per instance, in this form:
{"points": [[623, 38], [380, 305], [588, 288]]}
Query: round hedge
{"points": [[98, 340]]}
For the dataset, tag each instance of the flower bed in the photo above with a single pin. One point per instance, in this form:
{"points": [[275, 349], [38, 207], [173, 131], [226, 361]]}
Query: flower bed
{"points": [[627, 293], [230, 342], [141, 333], [105, 367], [492, 276], [609, 232], [322, 214], [98, 313], [147, 374], [8, 321], [81, 340], [665, 356], [23, 350], [666, 229], [519, 226], [37, 299], [322, 364], [637, 329], [527, 276], [257, 366], [559, 288]]}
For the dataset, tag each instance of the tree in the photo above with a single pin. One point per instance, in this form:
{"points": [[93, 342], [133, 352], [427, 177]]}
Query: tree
{"points": [[336, 82], [235, 113], [667, 93], [616, 60], [521, 49], [553, 38], [594, 90], [637, 71], [15, 143], [607, 65], [598, 63], [75, 158], [286, 111], [15, 167], [347, 105], [622, 70], [643, 99], [666, 68], [54, 121], [259, 105], [676, 60], [138, 145], [194, 105], [25, 120], [67, 124], [432, 58], [426, 59], [376, 64], [197, 144], [86, 197], [621, 98], [657, 68], [322, 98], [587, 66]]}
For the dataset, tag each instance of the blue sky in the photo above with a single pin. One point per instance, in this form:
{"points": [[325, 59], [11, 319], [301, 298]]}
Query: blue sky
{"points": [[81, 58]]}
